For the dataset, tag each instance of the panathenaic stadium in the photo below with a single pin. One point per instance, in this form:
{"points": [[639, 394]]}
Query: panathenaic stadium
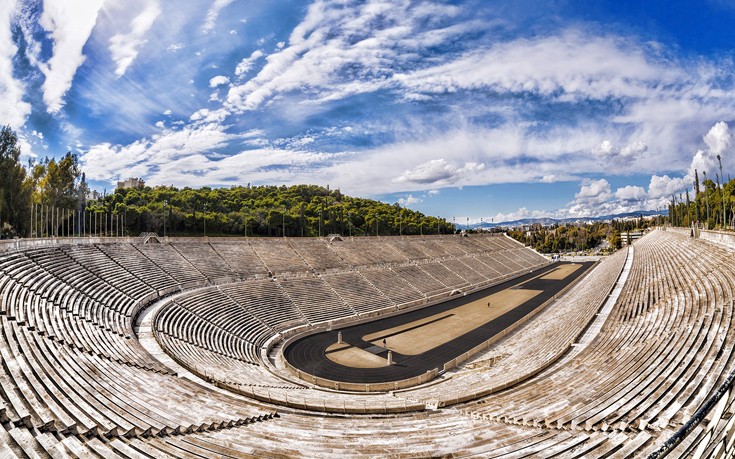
{"points": [[435, 346]]}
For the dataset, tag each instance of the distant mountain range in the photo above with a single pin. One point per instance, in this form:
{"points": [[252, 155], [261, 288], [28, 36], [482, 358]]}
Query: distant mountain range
{"points": [[546, 221]]}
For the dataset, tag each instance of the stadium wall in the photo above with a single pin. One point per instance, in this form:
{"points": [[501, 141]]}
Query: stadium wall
{"points": [[14, 245], [722, 238]]}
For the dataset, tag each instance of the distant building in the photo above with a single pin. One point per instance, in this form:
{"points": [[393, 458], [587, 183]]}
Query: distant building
{"points": [[132, 182], [93, 195]]}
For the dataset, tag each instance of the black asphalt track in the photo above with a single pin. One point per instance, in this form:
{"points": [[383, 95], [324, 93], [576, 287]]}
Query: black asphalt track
{"points": [[308, 353]]}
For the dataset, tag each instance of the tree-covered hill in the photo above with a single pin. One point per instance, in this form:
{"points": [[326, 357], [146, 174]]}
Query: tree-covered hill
{"points": [[300, 210], [49, 198]]}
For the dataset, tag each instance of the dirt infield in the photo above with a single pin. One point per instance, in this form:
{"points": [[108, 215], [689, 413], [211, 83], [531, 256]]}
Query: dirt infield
{"points": [[562, 271], [425, 339], [416, 338], [350, 356]]}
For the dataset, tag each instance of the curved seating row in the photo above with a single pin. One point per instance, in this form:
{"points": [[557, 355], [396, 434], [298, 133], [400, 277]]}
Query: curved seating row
{"points": [[663, 351], [75, 382], [553, 330], [234, 320]]}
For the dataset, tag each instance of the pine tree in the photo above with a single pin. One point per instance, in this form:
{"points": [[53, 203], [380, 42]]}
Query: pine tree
{"points": [[14, 188], [696, 195]]}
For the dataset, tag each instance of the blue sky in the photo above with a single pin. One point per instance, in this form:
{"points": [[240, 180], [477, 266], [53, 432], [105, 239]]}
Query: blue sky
{"points": [[465, 109]]}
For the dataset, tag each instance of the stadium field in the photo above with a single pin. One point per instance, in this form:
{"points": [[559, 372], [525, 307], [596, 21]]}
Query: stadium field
{"points": [[426, 339]]}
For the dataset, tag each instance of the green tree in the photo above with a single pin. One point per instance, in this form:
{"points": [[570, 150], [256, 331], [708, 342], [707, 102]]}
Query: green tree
{"points": [[59, 190], [60, 184], [304, 210], [15, 189]]}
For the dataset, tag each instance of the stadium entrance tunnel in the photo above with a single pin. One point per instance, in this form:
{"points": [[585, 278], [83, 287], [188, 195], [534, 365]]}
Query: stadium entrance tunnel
{"points": [[413, 347]]}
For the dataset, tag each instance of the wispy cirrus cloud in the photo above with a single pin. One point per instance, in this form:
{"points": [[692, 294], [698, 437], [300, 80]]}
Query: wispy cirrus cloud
{"points": [[69, 23], [374, 96], [567, 68], [245, 65], [124, 46], [107, 162], [188, 157], [13, 110], [572, 65], [339, 50], [210, 20]]}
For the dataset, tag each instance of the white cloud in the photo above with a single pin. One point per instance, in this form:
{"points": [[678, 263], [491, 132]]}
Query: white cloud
{"points": [[26, 149], [246, 64], [295, 143], [409, 200], [634, 149], [607, 150], [631, 193], [25, 18], [551, 178], [465, 156], [662, 104], [167, 112], [570, 65], [719, 138], [630, 198], [704, 161], [189, 158], [254, 166], [69, 23], [663, 186], [429, 172], [105, 161], [206, 116], [595, 197], [433, 192], [593, 192], [604, 149], [218, 81], [362, 40], [124, 47], [438, 171], [175, 47], [211, 18], [199, 114], [13, 110]]}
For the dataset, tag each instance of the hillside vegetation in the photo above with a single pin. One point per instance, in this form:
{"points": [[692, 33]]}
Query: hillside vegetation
{"points": [[49, 197], [299, 210]]}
